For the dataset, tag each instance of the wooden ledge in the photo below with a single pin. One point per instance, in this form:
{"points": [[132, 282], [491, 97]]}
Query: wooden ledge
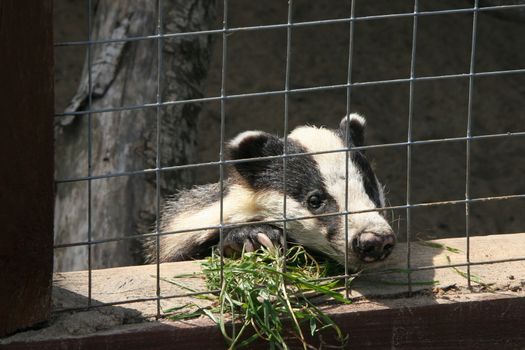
{"points": [[444, 315]]}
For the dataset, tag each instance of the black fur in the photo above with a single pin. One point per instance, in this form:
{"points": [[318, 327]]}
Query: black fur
{"points": [[369, 178], [356, 138], [235, 238], [199, 251], [356, 129], [302, 174]]}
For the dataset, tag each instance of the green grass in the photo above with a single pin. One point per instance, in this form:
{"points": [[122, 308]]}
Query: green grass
{"points": [[267, 296], [438, 246], [474, 278]]}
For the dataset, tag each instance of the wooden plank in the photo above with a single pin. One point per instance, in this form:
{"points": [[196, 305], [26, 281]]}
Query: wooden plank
{"points": [[443, 252], [136, 282], [26, 146], [450, 311], [488, 324]]}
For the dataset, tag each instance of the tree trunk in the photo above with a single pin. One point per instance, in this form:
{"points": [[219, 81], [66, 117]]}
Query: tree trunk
{"points": [[125, 74]]}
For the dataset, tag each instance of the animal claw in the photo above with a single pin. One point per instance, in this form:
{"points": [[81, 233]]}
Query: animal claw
{"points": [[248, 246], [265, 241]]}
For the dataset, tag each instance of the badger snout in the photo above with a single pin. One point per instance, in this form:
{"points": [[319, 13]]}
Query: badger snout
{"points": [[371, 246]]}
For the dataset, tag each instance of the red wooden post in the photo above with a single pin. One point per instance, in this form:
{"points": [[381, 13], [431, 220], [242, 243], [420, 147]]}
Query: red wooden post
{"points": [[26, 154]]}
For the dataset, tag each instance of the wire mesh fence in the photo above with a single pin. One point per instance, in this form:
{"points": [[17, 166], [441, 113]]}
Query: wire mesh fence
{"points": [[286, 92]]}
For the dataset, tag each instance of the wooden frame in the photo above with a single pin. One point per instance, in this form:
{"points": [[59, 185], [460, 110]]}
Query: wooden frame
{"points": [[446, 315], [26, 146], [488, 324]]}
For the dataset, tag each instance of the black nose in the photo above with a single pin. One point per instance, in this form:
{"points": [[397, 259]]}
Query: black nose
{"points": [[371, 247]]}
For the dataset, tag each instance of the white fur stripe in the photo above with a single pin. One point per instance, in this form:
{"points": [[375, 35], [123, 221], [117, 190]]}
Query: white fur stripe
{"points": [[332, 167], [238, 206]]}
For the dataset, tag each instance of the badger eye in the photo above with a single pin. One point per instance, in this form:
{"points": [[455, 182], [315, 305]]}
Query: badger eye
{"points": [[314, 201]]}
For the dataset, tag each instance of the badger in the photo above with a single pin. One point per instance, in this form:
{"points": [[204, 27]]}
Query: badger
{"points": [[252, 193]]}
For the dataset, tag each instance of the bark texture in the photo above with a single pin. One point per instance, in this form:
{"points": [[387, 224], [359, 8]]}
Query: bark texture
{"points": [[125, 74]]}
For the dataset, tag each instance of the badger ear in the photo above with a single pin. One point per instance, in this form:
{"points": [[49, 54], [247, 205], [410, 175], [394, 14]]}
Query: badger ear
{"points": [[254, 144], [355, 124]]}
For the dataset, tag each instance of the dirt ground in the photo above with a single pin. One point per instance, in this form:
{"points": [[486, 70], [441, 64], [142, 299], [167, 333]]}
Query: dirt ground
{"points": [[381, 51]]}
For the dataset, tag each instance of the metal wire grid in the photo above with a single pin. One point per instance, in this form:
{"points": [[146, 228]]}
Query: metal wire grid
{"points": [[157, 156], [409, 145], [90, 138], [224, 97], [347, 132]]}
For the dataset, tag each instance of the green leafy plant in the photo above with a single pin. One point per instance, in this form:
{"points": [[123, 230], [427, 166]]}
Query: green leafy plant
{"points": [[264, 295]]}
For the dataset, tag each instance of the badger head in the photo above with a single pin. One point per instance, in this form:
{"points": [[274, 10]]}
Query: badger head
{"points": [[320, 184]]}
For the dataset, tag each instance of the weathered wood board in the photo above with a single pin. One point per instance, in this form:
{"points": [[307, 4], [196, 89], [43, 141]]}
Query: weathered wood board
{"points": [[383, 291], [138, 282]]}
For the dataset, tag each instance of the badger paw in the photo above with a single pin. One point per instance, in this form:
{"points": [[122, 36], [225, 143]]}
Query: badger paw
{"points": [[250, 238]]}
